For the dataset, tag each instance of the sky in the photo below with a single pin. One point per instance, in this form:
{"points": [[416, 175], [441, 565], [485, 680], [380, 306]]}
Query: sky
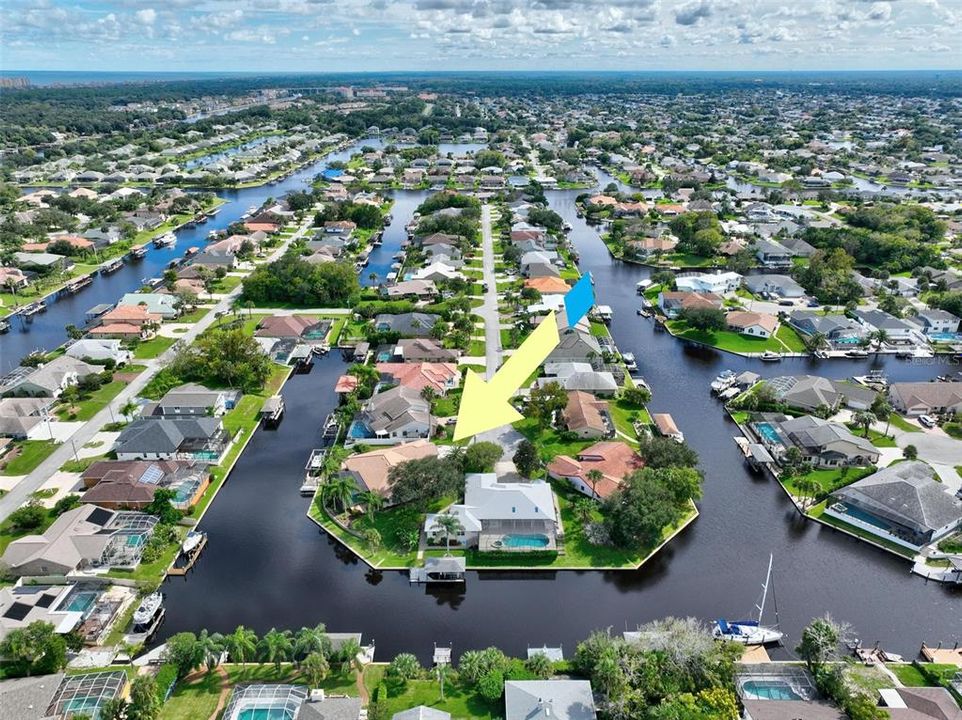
{"points": [[380, 35]]}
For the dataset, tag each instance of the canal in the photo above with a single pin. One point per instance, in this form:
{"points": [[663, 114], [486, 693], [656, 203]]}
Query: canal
{"points": [[267, 565]]}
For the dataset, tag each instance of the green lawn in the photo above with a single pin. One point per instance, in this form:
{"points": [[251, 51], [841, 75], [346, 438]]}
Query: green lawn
{"points": [[828, 480], [30, 454], [875, 437], [902, 424], [90, 406], [194, 315], [155, 347], [476, 348], [732, 341], [460, 703], [623, 414], [388, 522], [790, 338], [548, 441], [193, 700]]}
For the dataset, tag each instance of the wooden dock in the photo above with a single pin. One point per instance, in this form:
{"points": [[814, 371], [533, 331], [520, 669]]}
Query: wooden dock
{"points": [[942, 656], [181, 569]]}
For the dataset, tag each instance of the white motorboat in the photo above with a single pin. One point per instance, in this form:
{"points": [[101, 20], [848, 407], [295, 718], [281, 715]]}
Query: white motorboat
{"points": [[165, 240], [723, 381], [752, 632], [770, 356], [629, 359], [148, 609], [192, 540]]}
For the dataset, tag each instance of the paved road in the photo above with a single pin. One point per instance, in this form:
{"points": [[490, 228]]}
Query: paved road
{"points": [[489, 311], [22, 491]]}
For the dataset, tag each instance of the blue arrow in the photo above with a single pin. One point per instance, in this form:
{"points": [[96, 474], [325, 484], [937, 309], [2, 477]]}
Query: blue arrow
{"points": [[578, 300]]}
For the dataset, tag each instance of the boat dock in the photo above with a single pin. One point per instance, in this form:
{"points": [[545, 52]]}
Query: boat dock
{"points": [[77, 285], [185, 560], [313, 470], [941, 655], [447, 569], [272, 411], [111, 266]]}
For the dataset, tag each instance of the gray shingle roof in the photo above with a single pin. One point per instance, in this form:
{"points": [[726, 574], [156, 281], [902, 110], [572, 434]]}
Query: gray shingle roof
{"points": [[28, 698]]}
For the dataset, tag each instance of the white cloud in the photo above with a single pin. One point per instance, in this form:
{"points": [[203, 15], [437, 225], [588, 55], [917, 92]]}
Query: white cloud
{"points": [[147, 16]]}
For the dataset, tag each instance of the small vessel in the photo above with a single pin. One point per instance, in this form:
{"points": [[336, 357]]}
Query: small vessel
{"points": [[752, 632], [148, 609], [193, 250], [112, 265], [770, 356], [77, 285], [193, 539], [4, 326], [858, 354], [165, 240], [629, 359], [723, 381], [138, 252]]}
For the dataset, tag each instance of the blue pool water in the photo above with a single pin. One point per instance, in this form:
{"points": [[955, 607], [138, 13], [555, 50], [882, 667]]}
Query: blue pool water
{"points": [[769, 690], [264, 714], [525, 541], [944, 336], [81, 601], [358, 430], [767, 431]]}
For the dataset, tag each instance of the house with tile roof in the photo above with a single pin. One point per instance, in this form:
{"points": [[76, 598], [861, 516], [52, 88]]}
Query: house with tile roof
{"points": [[587, 416], [440, 377], [371, 470], [613, 459]]}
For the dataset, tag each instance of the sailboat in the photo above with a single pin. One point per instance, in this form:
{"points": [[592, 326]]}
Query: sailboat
{"points": [[752, 632]]}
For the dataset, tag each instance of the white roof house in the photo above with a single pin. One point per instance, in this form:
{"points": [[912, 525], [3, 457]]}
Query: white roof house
{"points": [[99, 349], [157, 303], [548, 699], [718, 283], [485, 498]]}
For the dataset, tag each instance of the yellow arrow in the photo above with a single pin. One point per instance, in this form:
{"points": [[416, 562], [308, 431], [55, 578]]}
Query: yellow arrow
{"points": [[484, 405]]}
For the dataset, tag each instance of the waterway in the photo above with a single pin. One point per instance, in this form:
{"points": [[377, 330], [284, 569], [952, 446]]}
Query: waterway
{"points": [[267, 565]]}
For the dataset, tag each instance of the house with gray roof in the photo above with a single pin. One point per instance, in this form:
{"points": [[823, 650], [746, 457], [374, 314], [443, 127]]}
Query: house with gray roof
{"points": [[781, 285], [811, 392], [330, 708], [22, 604], [772, 254], [580, 376], [925, 398], [934, 321], [392, 416], [823, 443], [163, 304], [417, 350], [549, 700], [575, 346], [193, 400], [904, 503], [202, 439], [837, 329], [422, 712], [878, 320], [412, 324], [99, 349], [493, 510], [28, 698], [49, 379]]}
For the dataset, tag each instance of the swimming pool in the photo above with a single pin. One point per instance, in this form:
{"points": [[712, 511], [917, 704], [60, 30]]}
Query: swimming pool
{"points": [[532, 542], [264, 714], [359, 430], [81, 601], [769, 690], [768, 432], [944, 336]]}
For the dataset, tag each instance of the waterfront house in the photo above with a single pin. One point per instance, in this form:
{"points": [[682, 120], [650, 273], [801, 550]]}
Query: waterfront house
{"points": [[825, 444], [160, 304], [126, 322], [440, 377], [422, 712], [780, 285], [371, 470], [665, 424], [416, 350], [579, 376], [919, 703], [904, 503], [497, 516], [648, 247], [926, 398], [613, 459], [24, 603], [837, 329], [549, 700], [203, 439], [548, 285], [131, 484], [575, 346], [717, 283], [298, 327], [812, 393], [412, 324], [436, 272], [895, 328], [937, 322], [753, 324], [99, 349], [193, 400], [671, 303], [13, 279], [393, 415], [49, 379], [587, 416], [772, 254], [83, 538]]}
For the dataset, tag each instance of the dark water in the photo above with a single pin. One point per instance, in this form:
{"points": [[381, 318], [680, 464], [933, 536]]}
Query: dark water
{"points": [[268, 565], [382, 257], [46, 331]]}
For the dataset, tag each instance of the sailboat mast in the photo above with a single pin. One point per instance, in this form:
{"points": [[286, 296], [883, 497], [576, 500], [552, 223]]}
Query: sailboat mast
{"points": [[768, 579]]}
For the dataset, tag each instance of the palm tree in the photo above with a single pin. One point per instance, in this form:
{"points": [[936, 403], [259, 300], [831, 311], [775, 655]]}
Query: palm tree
{"points": [[807, 490], [451, 526], [349, 654], [883, 408], [816, 341], [211, 647], [879, 338], [594, 476], [372, 501], [315, 668], [309, 640], [864, 419], [241, 644], [339, 490], [128, 409], [276, 647], [373, 538], [584, 508]]}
